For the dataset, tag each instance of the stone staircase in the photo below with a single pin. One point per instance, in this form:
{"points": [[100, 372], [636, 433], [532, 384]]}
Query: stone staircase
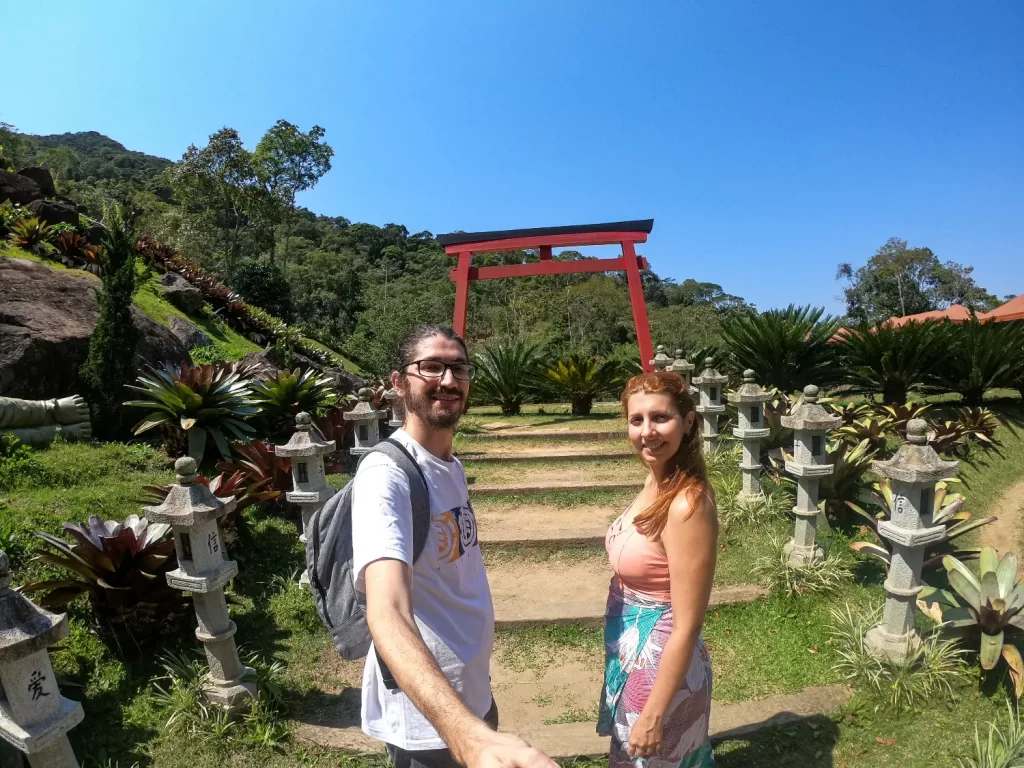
{"points": [[547, 569]]}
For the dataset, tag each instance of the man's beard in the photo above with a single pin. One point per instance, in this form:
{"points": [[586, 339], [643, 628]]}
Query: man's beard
{"points": [[444, 418]]}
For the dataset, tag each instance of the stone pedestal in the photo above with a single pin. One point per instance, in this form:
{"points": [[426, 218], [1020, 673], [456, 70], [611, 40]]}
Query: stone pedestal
{"points": [[810, 423], [749, 400], [397, 408], [683, 368], [204, 569], [309, 481], [913, 471], [34, 717], [366, 423], [661, 361], [710, 405]]}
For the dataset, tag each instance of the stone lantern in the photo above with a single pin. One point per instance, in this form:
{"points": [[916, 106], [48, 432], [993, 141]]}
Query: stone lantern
{"points": [[397, 408], [203, 569], [749, 400], [661, 361], [913, 471], [810, 422], [710, 407], [34, 717], [683, 368], [310, 490], [366, 423]]}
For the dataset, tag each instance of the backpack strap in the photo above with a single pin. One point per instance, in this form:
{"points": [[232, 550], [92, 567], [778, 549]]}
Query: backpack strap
{"points": [[419, 495]]}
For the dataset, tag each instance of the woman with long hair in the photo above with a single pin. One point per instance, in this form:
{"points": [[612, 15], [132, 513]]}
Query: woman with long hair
{"points": [[657, 694]]}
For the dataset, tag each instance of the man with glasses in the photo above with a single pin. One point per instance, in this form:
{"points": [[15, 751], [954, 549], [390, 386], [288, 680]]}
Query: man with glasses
{"points": [[426, 684]]}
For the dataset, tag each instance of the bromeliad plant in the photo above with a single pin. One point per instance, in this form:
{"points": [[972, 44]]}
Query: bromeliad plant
{"points": [[192, 404], [947, 510], [31, 234], [991, 601], [122, 567], [287, 393]]}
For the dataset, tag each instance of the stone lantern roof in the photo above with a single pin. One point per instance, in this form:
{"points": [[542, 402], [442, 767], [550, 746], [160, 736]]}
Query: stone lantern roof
{"points": [[916, 461], [710, 375], [680, 364], [661, 361], [363, 411], [25, 628], [304, 441], [189, 502], [749, 391], [809, 416]]}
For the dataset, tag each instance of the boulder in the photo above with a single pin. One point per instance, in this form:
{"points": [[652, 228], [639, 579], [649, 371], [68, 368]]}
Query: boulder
{"points": [[181, 293], [54, 212], [17, 188], [346, 382], [188, 334], [261, 367], [42, 177], [46, 318], [95, 232]]}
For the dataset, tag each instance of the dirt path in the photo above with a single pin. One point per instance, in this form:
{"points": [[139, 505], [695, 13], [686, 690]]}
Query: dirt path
{"points": [[533, 523], [1006, 532]]}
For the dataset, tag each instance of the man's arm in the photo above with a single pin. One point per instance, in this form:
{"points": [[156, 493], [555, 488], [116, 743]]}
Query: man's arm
{"points": [[399, 643]]}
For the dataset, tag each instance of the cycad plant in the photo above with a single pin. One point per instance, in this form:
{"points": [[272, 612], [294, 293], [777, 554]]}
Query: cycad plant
{"points": [[893, 360], [505, 374], [32, 234], [122, 567], [990, 601], [981, 357], [581, 379], [789, 348], [288, 393], [194, 404]]}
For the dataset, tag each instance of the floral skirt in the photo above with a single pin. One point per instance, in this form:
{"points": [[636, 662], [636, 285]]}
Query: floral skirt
{"points": [[636, 630]]}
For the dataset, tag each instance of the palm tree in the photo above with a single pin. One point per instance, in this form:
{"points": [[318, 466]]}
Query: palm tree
{"points": [[505, 374], [980, 357], [894, 360], [789, 348], [581, 379]]}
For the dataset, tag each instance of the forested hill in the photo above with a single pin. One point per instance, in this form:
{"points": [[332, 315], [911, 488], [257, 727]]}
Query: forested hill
{"points": [[357, 287]]}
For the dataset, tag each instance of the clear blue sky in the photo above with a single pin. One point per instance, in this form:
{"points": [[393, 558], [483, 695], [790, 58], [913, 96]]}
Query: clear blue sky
{"points": [[768, 140]]}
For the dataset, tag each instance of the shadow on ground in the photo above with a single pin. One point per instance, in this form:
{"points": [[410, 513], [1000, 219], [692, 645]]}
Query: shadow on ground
{"points": [[807, 742]]}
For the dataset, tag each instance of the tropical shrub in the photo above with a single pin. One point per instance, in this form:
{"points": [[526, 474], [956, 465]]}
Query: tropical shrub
{"points": [[286, 394], [981, 357], [333, 426], [1002, 749], [947, 510], [581, 379], [505, 374], [12, 540], [872, 430], [31, 234], [898, 416], [780, 576], [893, 360], [192, 404], [17, 462], [846, 482], [789, 348], [9, 214], [122, 567], [265, 286], [260, 467], [110, 365], [76, 251], [953, 437], [990, 601]]}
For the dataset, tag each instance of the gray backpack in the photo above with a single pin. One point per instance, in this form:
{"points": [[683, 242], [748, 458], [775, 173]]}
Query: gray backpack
{"points": [[329, 556]]}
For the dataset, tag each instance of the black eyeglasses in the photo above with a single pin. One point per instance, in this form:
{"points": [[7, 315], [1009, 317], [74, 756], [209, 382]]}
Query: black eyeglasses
{"points": [[435, 369]]}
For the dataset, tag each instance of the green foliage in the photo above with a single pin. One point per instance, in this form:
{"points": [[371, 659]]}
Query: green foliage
{"points": [[13, 540], [894, 360], [121, 567], [788, 348], [17, 462], [847, 480], [288, 393], [981, 357], [31, 234], [265, 286], [780, 576], [1002, 748], [110, 365], [505, 375], [931, 669], [581, 380], [197, 403]]}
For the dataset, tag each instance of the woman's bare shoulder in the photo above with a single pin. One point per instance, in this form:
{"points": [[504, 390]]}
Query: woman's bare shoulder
{"points": [[697, 506]]}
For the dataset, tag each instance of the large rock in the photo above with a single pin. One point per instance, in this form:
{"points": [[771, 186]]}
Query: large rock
{"points": [[46, 318], [42, 177], [18, 189], [260, 366], [188, 334], [346, 382], [54, 212], [95, 232], [181, 293]]}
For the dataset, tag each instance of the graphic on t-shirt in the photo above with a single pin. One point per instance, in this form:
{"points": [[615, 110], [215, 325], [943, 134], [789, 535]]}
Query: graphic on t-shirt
{"points": [[457, 532]]}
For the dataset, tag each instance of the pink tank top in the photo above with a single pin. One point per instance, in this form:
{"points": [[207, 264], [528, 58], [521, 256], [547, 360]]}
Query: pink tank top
{"points": [[639, 563]]}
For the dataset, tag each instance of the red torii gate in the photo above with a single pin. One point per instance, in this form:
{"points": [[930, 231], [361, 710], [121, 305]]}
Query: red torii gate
{"points": [[626, 233]]}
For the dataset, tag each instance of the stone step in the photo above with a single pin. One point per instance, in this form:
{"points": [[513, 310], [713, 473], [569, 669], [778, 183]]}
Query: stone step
{"points": [[549, 435], [543, 526], [570, 590], [553, 456], [527, 489]]}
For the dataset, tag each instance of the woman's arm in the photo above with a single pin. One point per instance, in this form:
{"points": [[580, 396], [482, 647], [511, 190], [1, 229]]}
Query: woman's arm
{"points": [[690, 539]]}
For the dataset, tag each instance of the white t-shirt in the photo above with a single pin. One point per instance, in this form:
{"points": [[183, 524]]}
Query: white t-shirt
{"points": [[451, 599]]}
